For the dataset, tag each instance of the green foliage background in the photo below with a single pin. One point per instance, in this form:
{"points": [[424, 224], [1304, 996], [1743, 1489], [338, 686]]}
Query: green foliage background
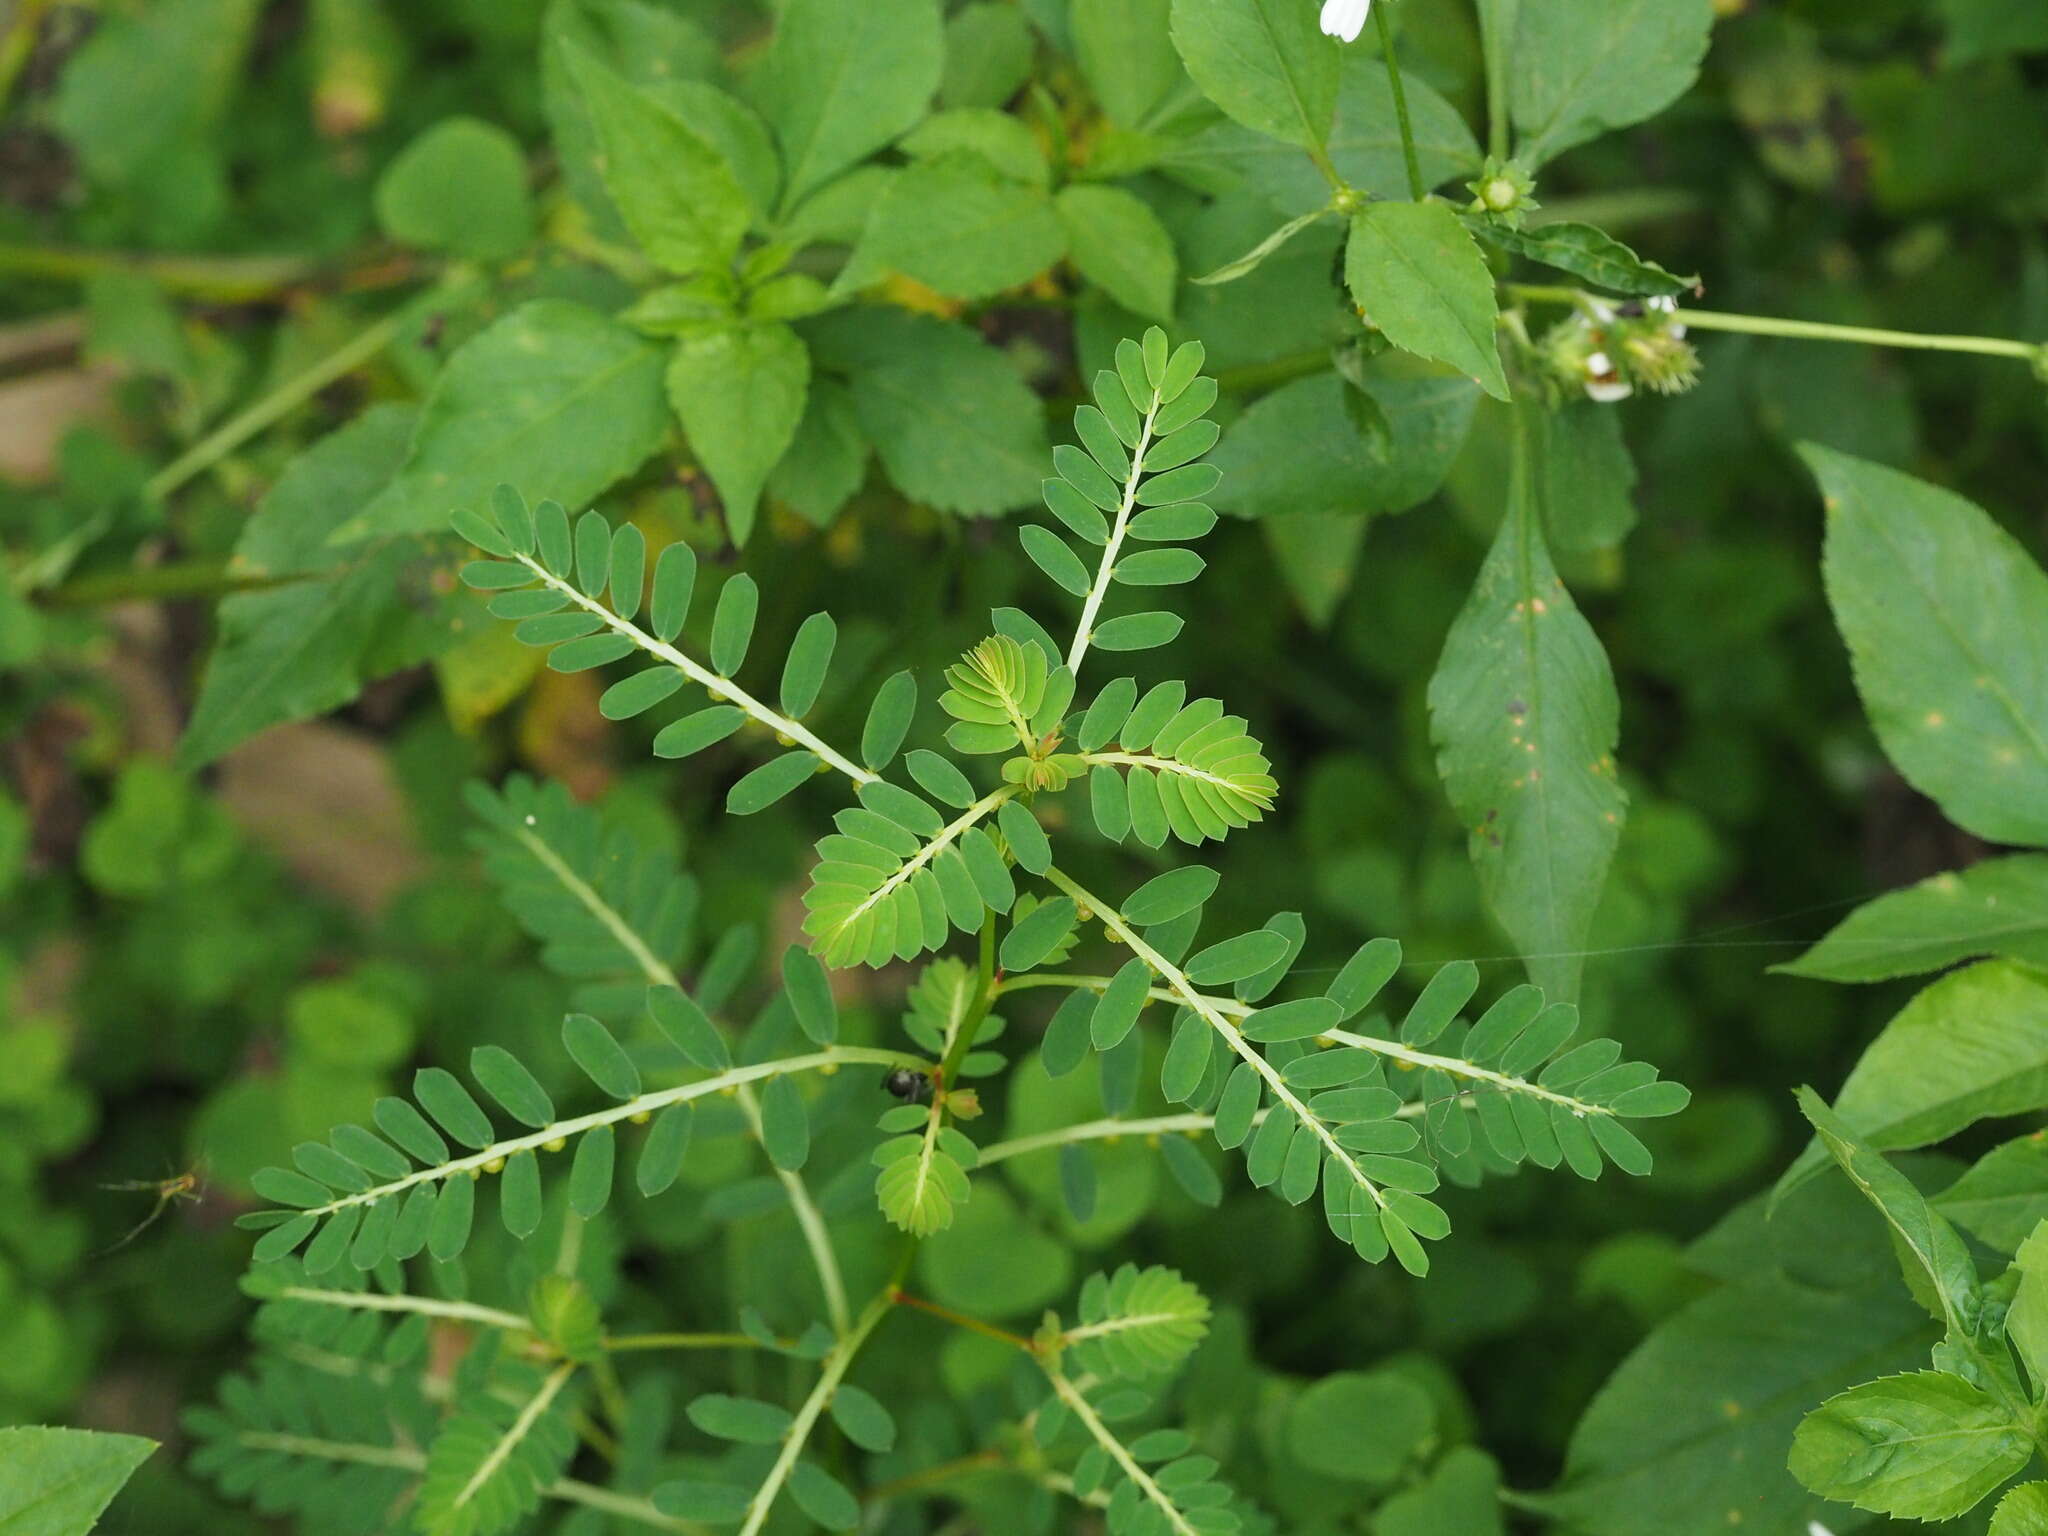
{"points": [[381, 228]]}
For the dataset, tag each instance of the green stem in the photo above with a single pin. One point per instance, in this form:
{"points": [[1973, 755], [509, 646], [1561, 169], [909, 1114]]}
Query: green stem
{"points": [[475, 1164], [1804, 330], [1083, 1410], [18, 43], [631, 1341], [1495, 49], [986, 987], [275, 406], [793, 1439], [1094, 1130], [903, 1298], [1416, 190], [808, 1218], [184, 578], [427, 1306], [1813, 330], [221, 279], [405, 1459]]}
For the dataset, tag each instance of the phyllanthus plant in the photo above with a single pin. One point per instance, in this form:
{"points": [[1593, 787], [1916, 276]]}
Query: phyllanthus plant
{"points": [[338, 1419]]}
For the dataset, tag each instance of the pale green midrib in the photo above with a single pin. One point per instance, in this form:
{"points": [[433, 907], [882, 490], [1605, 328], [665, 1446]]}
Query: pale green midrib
{"points": [[713, 683], [659, 973], [516, 1431], [427, 1306], [1233, 1038], [401, 1459], [1176, 766], [1457, 1066], [940, 841], [1070, 1395], [640, 1104], [1123, 1324], [829, 1377], [1091, 605]]}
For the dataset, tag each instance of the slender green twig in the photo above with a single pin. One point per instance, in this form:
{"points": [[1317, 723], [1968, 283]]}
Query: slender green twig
{"points": [[962, 1320], [220, 279], [405, 1459], [793, 1439], [718, 687], [1804, 330], [184, 578], [275, 406], [808, 1218], [1084, 627], [477, 1163], [620, 1343], [18, 42], [1494, 47], [1417, 191]]}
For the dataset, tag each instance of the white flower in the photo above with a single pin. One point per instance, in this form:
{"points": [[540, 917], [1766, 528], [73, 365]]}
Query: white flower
{"points": [[1345, 18], [1813, 1527], [1602, 382]]}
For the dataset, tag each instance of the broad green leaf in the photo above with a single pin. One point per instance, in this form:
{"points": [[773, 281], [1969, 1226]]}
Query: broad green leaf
{"points": [[1926, 1445], [1946, 618], [840, 81], [1996, 908], [154, 84], [1264, 62], [1298, 450], [1982, 29], [1125, 55], [673, 188], [955, 425], [2003, 1196], [959, 229], [1360, 1426], [1937, 1266], [55, 1482], [1365, 146], [1580, 471], [554, 398], [294, 651], [1585, 252], [1970, 1047], [1414, 271], [1581, 67], [646, 43], [460, 187], [988, 54], [1003, 144], [740, 392], [828, 457], [1459, 1497], [993, 1256], [1525, 718], [1688, 1437], [2024, 1509], [2026, 1317], [1118, 244]]}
